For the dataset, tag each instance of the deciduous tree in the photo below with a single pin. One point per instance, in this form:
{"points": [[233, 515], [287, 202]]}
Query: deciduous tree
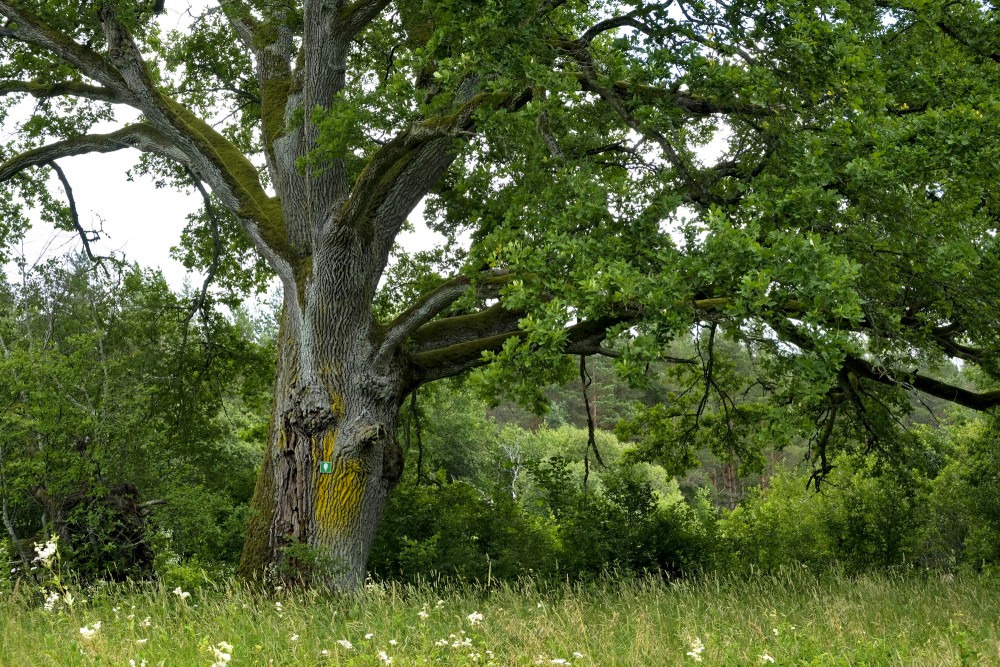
{"points": [[849, 226]]}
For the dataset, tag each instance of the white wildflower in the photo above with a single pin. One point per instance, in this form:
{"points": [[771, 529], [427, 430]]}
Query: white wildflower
{"points": [[392, 642], [577, 655], [774, 631], [46, 552], [369, 635], [141, 663], [441, 642], [223, 653], [423, 614], [766, 658], [278, 608], [50, 601], [325, 652], [440, 603], [88, 632], [295, 638], [558, 661], [475, 618], [184, 595], [696, 649], [146, 622], [140, 642], [346, 644], [384, 657]]}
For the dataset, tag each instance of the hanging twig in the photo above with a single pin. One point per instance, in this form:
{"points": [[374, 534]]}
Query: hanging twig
{"points": [[818, 476], [213, 221], [74, 215], [585, 381]]}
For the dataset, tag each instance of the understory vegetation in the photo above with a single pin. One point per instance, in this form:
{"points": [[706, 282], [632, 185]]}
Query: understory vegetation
{"points": [[134, 425]]}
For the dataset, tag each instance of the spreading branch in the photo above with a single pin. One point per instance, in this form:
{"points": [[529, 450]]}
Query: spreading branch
{"points": [[242, 22], [435, 302], [61, 89], [913, 380], [141, 136], [627, 20], [27, 27], [436, 363], [462, 329], [400, 173], [355, 16]]}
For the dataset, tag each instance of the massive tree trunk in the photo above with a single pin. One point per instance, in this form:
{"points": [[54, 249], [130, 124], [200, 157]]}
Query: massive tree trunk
{"points": [[331, 458]]}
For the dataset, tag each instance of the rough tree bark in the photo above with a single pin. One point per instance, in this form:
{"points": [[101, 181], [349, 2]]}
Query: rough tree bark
{"points": [[331, 462]]}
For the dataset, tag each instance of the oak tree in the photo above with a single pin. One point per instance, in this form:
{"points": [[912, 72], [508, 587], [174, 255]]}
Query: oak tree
{"points": [[848, 228]]}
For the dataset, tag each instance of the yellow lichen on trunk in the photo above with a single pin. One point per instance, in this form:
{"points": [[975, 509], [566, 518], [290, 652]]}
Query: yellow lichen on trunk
{"points": [[339, 493]]}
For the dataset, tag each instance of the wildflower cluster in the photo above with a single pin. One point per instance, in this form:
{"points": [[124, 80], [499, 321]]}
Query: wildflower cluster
{"points": [[88, 631], [542, 660], [696, 649], [223, 653], [47, 552], [51, 600]]}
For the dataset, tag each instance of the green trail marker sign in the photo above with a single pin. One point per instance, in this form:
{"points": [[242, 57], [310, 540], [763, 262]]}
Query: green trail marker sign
{"points": [[326, 467]]}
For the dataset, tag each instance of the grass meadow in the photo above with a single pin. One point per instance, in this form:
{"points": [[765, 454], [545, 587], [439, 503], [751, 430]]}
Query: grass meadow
{"points": [[790, 619]]}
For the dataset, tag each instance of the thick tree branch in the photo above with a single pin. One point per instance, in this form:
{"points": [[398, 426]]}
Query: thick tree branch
{"points": [[462, 329], [630, 19], [355, 16], [27, 27], [242, 22], [928, 385], [430, 305], [391, 186], [140, 136], [62, 89], [583, 338], [205, 150], [894, 377], [458, 342], [698, 106]]}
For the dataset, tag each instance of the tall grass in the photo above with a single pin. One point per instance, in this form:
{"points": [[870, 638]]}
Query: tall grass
{"points": [[795, 619]]}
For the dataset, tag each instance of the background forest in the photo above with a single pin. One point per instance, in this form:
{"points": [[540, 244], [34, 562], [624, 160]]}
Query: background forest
{"points": [[133, 424]]}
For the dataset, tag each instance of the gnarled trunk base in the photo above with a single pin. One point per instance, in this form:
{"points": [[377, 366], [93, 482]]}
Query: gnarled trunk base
{"points": [[320, 498]]}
